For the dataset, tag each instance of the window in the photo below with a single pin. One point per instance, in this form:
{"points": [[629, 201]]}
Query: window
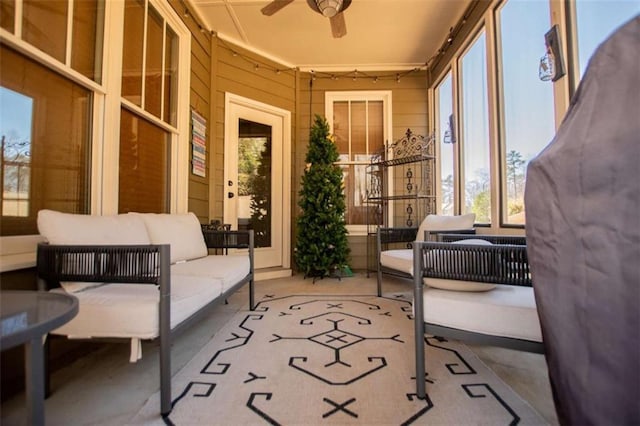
{"points": [[504, 113], [526, 102], [45, 143], [475, 131], [596, 20], [358, 123], [148, 116], [144, 166], [61, 119], [46, 116], [446, 138]]}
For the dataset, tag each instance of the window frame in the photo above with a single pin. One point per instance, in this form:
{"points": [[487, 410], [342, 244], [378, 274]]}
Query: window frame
{"points": [[18, 252], [561, 89], [330, 97], [434, 100]]}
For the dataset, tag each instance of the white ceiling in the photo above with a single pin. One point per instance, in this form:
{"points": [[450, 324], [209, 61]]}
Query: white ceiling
{"points": [[381, 34]]}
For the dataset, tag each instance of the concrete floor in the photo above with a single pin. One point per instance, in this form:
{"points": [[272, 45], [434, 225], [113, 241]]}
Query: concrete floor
{"points": [[103, 388]]}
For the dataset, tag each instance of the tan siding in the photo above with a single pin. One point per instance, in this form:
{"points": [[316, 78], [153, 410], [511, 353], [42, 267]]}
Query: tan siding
{"points": [[237, 74], [199, 100], [215, 70], [409, 110]]}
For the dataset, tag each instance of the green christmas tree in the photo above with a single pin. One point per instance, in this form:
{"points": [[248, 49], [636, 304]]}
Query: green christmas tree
{"points": [[322, 248]]}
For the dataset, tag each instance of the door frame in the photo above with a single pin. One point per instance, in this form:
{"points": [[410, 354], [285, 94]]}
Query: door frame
{"points": [[231, 100]]}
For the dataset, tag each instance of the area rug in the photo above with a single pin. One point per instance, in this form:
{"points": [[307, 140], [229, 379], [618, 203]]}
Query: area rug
{"points": [[313, 360]]}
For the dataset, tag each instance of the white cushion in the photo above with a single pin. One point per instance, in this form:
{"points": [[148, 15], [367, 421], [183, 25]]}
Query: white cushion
{"points": [[182, 231], [434, 222], [74, 287], [229, 269], [507, 311], [82, 229], [131, 310], [398, 260], [458, 285], [402, 260]]}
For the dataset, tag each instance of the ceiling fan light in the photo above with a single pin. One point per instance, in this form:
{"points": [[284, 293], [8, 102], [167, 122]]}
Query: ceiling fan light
{"points": [[329, 8]]}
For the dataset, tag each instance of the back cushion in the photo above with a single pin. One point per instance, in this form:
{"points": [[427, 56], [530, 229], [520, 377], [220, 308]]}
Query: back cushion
{"points": [[434, 222], [182, 231], [82, 229]]}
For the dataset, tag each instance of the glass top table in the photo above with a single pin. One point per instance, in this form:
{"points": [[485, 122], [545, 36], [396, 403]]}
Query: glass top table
{"points": [[25, 317]]}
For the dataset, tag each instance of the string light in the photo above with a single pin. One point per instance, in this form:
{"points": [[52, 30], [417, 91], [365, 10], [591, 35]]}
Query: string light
{"points": [[355, 74], [252, 60], [188, 15], [453, 34]]}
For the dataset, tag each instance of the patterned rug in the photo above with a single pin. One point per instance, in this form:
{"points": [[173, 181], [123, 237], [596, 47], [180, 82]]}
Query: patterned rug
{"points": [[313, 360]]}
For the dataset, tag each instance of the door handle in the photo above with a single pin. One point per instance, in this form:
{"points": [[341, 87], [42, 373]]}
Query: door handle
{"points": [[230, 194]]}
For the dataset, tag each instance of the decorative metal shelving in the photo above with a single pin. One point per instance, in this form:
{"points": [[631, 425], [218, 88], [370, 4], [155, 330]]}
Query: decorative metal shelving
{"points": [[401, 187]]}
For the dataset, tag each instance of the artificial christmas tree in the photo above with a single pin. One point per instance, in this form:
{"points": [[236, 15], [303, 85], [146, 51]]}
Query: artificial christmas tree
{"points": [[321, 248]]}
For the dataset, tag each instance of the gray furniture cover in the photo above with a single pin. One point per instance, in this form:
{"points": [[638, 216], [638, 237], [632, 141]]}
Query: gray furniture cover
{"points": [[583, 231]]}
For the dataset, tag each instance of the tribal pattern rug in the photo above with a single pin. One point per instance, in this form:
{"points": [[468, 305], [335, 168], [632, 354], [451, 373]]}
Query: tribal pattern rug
{"points": [[322, 359]]}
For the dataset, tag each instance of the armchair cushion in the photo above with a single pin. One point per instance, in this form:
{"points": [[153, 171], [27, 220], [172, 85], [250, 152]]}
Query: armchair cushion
{"points": [[402, 260], [434, 222], [507, 311]]}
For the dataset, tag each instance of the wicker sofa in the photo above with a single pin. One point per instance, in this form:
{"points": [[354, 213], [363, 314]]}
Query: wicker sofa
{"points": [[140, 276]]}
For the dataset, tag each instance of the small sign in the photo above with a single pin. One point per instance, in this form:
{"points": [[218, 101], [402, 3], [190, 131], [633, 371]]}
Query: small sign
{"points": [[198, 144]]}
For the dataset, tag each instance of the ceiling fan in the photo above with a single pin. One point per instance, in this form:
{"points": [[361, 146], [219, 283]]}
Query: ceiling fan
{"points": [[331, 9]]}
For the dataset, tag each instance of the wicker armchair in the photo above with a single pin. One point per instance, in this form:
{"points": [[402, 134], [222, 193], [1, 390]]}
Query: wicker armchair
{"points": [[498, 310]]}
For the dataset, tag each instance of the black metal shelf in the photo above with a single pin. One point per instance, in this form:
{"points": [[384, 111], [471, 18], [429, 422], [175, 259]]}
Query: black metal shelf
{"points": [[405, 168]]}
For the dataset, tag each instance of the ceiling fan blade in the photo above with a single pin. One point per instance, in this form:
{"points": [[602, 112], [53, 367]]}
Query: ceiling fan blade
{"points": [[338, 25], [274, 6]]}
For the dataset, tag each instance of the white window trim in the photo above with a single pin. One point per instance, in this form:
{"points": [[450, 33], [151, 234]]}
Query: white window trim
{"points": [[179, 178], [363, 95], [19, 252]]}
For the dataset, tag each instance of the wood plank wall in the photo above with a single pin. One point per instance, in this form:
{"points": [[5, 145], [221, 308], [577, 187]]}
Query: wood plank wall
{"points": [[409, 111], [218, 66], [235, 72], [200, 101]]}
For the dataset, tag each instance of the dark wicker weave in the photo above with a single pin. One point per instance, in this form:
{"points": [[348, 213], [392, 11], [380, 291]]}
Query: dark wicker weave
{"points": [[403, 238], [139, 264]]}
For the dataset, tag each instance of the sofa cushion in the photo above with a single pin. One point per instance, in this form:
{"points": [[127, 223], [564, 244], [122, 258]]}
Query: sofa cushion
{"points": [[507, 311], [81, 229], [182, 231], [131, 310], [229, 269], [434, 222]]}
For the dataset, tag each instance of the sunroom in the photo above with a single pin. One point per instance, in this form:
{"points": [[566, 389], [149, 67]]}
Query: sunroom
{"points": [[111, 107]]}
